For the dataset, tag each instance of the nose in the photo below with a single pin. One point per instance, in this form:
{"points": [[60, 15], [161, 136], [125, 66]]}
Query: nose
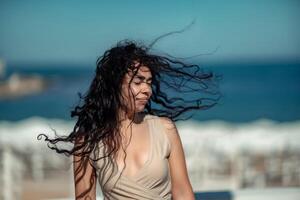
{"points": [[146, 89]]}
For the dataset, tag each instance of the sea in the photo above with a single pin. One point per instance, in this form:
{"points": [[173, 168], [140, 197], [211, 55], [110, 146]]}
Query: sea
{"points": [[251, 91]]}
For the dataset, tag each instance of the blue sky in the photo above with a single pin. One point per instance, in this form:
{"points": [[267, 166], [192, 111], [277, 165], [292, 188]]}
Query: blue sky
{"points": [[79, 31]]}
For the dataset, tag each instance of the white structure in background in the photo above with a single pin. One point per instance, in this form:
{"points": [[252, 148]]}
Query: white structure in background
{"points": [[11, 173], [231, 157]]}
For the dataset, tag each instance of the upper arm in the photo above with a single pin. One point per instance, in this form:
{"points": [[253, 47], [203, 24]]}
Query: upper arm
{"points": [[181, 186], [84, 178]]}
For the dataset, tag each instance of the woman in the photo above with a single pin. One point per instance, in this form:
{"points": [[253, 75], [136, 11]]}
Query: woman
{"points": [[125, 136]]}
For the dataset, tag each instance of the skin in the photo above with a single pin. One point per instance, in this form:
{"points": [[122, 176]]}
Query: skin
{"points": [[136, 141]]}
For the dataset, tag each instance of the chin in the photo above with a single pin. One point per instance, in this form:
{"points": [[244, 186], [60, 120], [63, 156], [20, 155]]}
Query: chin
{"points": [[139, 109]]}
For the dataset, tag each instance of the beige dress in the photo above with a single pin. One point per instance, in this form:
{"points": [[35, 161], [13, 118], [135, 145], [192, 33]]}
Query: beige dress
{"points": [[152, 181]]}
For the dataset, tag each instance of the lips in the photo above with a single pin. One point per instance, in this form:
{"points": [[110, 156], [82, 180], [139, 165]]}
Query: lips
{"points": [[142, 100]]}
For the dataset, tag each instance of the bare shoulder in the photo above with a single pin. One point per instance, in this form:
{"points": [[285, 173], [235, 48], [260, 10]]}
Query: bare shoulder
{"points": [[170, 130], [168, 124]]}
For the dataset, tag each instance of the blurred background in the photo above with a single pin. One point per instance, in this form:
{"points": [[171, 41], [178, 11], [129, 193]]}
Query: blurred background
{"points": [[246, 147]]}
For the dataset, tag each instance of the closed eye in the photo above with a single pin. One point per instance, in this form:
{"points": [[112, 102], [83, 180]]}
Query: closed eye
{"points": [[140, 82]]}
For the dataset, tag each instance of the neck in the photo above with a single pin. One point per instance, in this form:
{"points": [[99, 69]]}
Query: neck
{"points": [[127, 118]]}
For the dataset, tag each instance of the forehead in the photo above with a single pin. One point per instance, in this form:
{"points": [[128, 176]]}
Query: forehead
{"points": [[142, 70]]}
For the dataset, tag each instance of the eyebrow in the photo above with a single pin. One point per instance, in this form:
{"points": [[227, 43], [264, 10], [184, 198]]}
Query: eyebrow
{"points": [[143, 77]]}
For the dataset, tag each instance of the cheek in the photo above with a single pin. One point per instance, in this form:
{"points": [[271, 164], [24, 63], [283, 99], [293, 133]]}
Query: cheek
{"points": [[126, 93], [134, 90], [129, 94]]}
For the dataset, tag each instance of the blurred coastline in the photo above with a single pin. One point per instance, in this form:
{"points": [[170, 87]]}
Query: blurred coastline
{"points": [[249, 141]]}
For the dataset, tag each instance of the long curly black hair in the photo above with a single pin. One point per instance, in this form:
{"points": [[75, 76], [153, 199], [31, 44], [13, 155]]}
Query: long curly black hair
{"points": [[177, 88]]}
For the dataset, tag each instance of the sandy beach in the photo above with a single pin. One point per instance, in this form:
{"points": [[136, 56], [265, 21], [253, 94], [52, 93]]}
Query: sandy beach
{"points": [[52, 187]]}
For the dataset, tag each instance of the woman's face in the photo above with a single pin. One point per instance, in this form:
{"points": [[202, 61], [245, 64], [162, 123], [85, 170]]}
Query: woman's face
{"points": [[137, 94]]}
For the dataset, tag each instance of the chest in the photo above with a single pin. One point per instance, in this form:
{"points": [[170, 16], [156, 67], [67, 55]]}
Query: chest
{"points": [[136, 148]]}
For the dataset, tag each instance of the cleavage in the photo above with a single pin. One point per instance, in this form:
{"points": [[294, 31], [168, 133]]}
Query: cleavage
{"points": [[137, 147]]}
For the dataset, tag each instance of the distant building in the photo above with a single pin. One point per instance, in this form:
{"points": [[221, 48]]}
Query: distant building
{"points": [[2, 69], [17, 84]]}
